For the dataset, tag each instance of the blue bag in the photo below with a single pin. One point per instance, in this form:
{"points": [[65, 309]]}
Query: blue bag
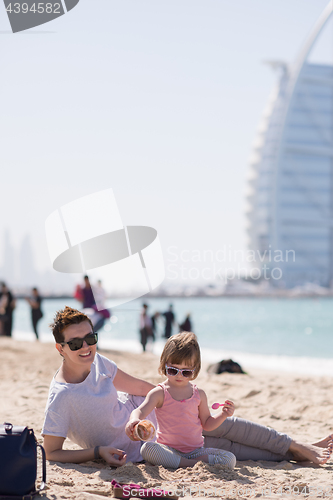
{"points": [[18, 463]]}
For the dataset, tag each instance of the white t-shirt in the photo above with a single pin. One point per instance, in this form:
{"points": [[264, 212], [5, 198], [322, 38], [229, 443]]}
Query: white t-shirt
{"points": [[92, 413]]}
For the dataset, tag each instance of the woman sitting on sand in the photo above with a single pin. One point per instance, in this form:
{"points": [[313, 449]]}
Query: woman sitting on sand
{"points": [[181, 410], [84, 405]]}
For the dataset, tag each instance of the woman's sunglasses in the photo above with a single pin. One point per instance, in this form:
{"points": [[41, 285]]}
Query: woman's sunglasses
{"points": [[170, 370], [77, 343]]}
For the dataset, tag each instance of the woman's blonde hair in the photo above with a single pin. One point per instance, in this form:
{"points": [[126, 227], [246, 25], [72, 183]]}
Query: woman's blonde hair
{"points": [[182, 348]]}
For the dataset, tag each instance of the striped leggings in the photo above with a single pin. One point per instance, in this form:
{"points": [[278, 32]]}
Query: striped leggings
{"points": [[160, 454]]}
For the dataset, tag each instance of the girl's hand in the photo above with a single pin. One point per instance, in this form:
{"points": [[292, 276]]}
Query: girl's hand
{"points": [[108, 453], [228, 408], [130, 427]]}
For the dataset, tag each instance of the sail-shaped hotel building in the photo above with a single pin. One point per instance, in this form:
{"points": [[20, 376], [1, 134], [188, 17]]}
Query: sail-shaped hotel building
{"points": [[290, 201]]}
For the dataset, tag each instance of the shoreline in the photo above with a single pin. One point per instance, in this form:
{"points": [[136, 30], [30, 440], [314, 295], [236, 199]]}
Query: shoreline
{"points": [[269, 294], [301, 365]]}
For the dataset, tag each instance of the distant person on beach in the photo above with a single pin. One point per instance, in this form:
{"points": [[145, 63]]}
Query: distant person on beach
{"points": [[101, 312], [154, 319], [84, 406], [3, 305], [93, 302], [78, 293], [169, 321], [186, 326], [99, 295], [36, 312], [85, 294], [181, 411], [7, 306], [146, 330]]}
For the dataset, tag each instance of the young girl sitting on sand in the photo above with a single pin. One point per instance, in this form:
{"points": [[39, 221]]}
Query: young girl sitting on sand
{"points": [[181, 410]]}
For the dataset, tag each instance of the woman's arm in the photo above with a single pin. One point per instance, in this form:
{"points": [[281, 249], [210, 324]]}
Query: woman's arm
{"points": [[126, 383], [54, 452], [154, 399], [209, 422]]}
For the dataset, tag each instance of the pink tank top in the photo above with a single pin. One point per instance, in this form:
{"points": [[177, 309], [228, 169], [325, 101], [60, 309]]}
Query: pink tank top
{"points": [[179, 425]]}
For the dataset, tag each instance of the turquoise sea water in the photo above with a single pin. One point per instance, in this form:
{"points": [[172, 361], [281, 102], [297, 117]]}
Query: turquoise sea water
{"points": [[280, 334]]}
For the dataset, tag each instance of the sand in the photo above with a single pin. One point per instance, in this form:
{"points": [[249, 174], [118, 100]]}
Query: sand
{"points": [[298, 405]]}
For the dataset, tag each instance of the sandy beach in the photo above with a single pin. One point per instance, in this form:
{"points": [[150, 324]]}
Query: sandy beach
{"points": [[298, 405]]}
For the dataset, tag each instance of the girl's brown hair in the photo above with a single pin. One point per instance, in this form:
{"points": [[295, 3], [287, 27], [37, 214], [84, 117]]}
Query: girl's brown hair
{"points": [[64, 318], [179, 349]]}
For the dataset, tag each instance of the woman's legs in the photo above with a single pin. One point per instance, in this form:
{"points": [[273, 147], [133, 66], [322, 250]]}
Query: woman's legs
{"points": [[244, 452], [251, 441]]}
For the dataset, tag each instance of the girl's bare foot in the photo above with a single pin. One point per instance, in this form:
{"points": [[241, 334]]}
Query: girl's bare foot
{"points": [[324, 443], [309, 452]]}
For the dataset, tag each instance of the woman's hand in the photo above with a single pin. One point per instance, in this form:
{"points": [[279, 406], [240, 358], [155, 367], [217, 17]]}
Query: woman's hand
{"points": [[108, 453], [130, 428], [228, 408]]}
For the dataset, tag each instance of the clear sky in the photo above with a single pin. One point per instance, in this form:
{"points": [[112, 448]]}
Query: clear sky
{"points": [[158, 99]]}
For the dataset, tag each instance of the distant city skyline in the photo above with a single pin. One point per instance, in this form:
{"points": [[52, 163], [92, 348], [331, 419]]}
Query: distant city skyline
{"points": [[18, 269]]}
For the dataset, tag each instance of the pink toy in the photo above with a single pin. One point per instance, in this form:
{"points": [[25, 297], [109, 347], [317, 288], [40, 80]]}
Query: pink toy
{"points": [[216, 405]]}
